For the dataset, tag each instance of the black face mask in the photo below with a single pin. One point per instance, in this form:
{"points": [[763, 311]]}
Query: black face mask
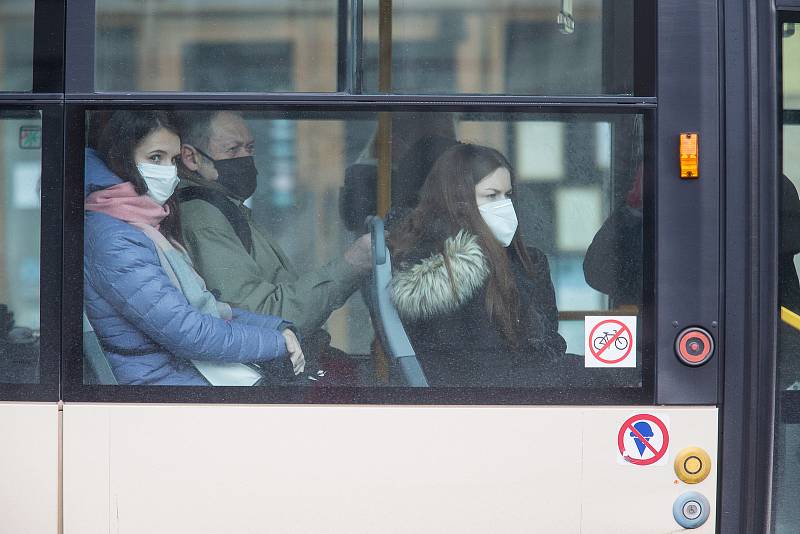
{"points": [[236, 175]]}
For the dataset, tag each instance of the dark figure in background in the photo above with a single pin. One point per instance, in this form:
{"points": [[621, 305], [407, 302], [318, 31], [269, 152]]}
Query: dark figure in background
{"points": [[478, 305], [788, 284], [417, 142], [613, 262]]}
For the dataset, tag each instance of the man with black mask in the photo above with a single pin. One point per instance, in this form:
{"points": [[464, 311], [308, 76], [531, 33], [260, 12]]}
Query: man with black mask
{"points": [[240, 263]]}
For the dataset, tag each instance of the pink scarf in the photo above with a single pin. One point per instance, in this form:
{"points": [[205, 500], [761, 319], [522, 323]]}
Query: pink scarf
{"points": [[122, 202]]}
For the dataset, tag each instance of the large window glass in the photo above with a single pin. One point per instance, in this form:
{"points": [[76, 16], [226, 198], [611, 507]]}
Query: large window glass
{"points": [[207, 45], [20, 185], [503, 47], [526, 47], [787, 436], [508, 235], [16, 45]]}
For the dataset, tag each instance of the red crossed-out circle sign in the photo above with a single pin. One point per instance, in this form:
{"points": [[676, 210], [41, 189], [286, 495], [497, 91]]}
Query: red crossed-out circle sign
{"points": [[623, 329], [627, 426]]}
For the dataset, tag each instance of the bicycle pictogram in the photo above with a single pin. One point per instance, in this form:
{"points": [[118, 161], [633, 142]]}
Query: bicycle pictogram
{"points": [[620, 341]]}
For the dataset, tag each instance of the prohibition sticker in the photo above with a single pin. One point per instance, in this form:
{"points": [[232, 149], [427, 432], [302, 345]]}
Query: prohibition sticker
{"points": [[610, 341], [643, 439]]}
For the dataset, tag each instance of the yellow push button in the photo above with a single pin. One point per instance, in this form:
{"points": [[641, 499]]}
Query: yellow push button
{"points": [[692, 465]]}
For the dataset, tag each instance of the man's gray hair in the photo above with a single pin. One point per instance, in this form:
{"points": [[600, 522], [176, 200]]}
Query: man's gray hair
{"points": [[195, 127]]}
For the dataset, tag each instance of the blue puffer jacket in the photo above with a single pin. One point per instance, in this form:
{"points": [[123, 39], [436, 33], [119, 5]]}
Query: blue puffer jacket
{"points": [[146, 325]]}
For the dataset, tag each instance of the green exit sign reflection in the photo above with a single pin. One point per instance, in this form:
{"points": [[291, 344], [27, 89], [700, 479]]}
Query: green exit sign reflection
{"points": [[30, 137]]}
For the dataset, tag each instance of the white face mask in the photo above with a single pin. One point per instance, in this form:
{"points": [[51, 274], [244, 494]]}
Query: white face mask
{"points": [[161, 180], [501, 219]]}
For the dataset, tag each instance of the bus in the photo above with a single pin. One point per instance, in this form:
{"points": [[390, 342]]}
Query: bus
{"points": [[626, 361]]}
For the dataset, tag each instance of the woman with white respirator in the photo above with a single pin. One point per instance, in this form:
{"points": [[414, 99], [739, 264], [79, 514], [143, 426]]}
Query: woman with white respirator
{"points": [[478, 305], [151, 311]]}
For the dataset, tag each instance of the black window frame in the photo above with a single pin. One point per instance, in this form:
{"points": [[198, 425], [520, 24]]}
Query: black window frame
{"points": [[75, 390], [46, 96]]}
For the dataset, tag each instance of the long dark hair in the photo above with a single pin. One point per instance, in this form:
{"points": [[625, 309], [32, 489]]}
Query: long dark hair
{"points": [[119, 139], [446, 206]]}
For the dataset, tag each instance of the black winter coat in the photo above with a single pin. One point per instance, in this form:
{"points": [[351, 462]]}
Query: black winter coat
{"points": [[613, 262], [449, 325]]}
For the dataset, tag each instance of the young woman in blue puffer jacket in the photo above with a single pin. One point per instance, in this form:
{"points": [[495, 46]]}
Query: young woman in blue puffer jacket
{"points": [[151, 312]]}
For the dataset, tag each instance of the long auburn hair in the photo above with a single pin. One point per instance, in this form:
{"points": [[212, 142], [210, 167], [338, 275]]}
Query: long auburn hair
{"points": [[119, 139], [447, 205]]}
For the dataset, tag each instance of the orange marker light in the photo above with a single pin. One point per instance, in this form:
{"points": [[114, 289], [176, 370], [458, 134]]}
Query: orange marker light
{"points": [[689, 155]]}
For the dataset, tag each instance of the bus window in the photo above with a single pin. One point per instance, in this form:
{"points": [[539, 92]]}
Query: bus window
{"points": [[20, 187], [442, 47], [16, 45], [271, 211], [787, 434], [240, 45], [503, 47]]}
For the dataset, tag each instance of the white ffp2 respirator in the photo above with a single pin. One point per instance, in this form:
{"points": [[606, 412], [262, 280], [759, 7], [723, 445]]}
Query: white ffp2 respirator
{"points": [[501, 219], [161, 180]]}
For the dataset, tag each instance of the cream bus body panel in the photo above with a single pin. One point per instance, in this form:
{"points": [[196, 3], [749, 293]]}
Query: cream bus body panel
{"points": [[28, 468], [179, 468]]}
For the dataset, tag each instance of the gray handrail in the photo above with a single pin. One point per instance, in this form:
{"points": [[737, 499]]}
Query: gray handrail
{"points": [[378, 234], [389, 327]]}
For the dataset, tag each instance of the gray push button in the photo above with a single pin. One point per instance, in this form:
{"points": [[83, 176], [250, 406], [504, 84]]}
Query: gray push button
{"points": [[691, 509]]}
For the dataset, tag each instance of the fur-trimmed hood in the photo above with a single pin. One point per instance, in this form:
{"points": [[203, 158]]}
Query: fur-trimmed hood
{"points": [[424, 290]]}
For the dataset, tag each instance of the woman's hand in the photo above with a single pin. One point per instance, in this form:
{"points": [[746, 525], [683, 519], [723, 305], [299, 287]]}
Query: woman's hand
{"points": [[295, 351]]}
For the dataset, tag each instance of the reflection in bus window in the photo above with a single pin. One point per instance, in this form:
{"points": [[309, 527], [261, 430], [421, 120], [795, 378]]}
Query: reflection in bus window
{"points": [[238, 45], [272, 212], [503, 47], [16, 45], [20, 188]]}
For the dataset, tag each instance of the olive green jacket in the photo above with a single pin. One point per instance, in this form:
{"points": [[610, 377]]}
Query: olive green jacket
{"points": [[265, 281]]}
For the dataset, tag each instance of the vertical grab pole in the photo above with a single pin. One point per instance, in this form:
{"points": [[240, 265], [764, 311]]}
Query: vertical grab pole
{"points": [[384, 199], [384, 142], [342, 61], [356, 58]]}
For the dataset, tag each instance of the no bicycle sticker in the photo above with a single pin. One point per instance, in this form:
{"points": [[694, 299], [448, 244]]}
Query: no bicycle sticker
{"points": [[610, 341], [643, 439]]}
